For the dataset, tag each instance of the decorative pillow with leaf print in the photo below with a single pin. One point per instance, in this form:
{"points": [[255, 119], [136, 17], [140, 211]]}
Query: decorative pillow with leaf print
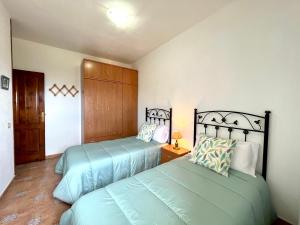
{"points": [[214, 153], [146, 132]]}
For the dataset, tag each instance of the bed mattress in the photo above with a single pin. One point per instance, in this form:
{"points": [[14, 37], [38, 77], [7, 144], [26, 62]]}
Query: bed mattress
{"points": [[88, 167], [176, 193]]}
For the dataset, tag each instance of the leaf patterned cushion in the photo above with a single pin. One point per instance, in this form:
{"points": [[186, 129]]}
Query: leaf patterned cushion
{"points": [[214, 153], [146, 132]]}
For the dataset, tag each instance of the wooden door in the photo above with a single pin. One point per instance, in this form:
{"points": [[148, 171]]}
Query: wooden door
{"points": [[29, 116], [102, 110], [130, 98]]}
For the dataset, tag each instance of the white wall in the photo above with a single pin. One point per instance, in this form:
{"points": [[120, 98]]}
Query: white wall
{"points": [[244, 57], [6, 134], [63, 114]]}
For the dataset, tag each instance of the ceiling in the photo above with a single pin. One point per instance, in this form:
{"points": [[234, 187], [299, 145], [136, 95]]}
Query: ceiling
{"points": [[83, 26]]}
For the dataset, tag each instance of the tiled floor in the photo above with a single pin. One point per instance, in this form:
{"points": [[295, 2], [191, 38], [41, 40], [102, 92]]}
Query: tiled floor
{"points": [[28, 200]]}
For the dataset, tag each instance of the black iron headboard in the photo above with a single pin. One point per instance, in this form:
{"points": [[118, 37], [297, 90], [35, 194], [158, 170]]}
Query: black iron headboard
{"points": [[221, 119], [160, 116]]}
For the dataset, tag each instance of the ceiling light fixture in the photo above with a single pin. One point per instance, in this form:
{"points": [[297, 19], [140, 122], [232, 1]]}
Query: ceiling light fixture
{"points": [[121, 15]]}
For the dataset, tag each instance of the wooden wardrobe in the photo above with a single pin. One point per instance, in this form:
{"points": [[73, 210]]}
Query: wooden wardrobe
{"points": [[109, 101]]}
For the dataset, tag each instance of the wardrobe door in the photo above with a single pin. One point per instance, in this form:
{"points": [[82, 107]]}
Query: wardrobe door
{"points": [[89, 98], [101, 71], [103, 110], [130, 76], [130, 98], [113, 73], [112, 98], [92, 70]]}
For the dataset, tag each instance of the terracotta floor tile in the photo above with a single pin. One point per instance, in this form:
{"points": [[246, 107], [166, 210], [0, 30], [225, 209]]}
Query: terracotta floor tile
{"points": [[28, 200]]}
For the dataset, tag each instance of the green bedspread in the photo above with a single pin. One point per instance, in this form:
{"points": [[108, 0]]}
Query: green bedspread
{"points": [[88, 167], [177, 192]]}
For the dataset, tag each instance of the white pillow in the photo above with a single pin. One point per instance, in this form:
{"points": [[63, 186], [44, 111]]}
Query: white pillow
{"points": [[244, 157], [161, 134]]}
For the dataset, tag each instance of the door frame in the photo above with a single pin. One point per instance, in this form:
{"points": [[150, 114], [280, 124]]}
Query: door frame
{"points": [[12, 96]]}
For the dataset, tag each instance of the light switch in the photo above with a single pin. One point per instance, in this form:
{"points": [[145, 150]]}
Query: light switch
{"points": [[8, 125]]}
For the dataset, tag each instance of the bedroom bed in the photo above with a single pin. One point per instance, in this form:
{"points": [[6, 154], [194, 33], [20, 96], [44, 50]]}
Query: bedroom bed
{"points": [[181, 192], [88, 167]]}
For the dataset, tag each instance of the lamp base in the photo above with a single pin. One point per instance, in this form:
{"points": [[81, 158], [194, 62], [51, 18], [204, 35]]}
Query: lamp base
{"points": [[176, 147]]}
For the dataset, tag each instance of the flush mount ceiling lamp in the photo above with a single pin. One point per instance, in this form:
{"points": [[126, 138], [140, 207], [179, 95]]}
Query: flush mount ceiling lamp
{"points": [[121, 15]]}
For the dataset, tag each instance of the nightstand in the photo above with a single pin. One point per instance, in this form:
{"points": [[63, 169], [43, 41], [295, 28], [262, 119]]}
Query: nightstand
{"points": [[168, 153]]}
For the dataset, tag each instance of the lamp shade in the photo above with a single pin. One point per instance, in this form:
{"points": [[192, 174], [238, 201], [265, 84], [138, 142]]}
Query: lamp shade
{"points": [[176, 135]]}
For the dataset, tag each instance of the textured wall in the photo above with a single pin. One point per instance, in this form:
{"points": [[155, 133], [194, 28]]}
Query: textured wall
{"points": [[244, 57], [6, 133]]}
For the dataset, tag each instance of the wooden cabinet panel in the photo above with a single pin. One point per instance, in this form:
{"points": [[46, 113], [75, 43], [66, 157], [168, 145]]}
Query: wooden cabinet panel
{"points": [[109, 72], [102, 71], [90, 111], [90, 69], [112, 99], [102, 110], [130, 97], [115, 73], [109, 101], [130, 76]]}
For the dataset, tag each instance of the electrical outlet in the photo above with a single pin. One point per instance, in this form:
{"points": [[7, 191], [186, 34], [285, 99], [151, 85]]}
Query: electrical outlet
{"points": [[8, 125]]}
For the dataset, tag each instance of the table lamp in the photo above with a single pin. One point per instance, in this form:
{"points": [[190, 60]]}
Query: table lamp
{"points": [[176, 135]]}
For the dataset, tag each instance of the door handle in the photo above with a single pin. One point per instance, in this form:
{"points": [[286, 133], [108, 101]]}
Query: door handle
{"points": [[43, 117]]}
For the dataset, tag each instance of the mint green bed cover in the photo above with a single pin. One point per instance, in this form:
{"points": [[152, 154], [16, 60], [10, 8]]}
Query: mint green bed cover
{"points": [[178, 192], [88, 167]]}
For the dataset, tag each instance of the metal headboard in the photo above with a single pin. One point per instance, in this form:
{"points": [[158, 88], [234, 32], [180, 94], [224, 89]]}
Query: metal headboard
{"points": [[160, 116], [223, 119]]}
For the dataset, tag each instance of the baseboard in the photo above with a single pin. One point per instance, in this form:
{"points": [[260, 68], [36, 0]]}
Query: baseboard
{"points": [[284, 220], [6, 188], [281, 221], [53, 156]]}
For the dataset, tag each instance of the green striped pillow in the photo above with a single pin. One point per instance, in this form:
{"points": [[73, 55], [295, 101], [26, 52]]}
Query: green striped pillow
{"points": [[146, 132], [213, 153]]}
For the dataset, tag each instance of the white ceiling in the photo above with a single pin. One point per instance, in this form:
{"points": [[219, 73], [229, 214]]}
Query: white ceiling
{"points": [[82, 25]]}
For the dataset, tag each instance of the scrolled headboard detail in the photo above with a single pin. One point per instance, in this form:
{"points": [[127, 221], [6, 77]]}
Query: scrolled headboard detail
{"points": [[234, 120], [160, 116]]}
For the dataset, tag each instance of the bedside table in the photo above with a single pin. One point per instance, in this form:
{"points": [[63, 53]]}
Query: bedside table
{"points": [[168, 153]]}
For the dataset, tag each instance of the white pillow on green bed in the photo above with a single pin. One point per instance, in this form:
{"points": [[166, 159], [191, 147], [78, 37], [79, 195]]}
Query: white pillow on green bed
{"points": [[146, 132], [161, 134], [244, 157]]}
